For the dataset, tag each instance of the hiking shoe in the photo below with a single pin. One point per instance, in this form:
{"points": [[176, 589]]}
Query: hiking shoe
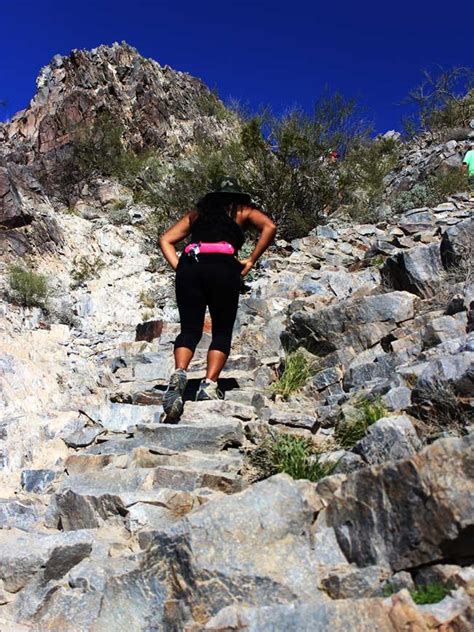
{"points": [[173, 396], [208, 390]]}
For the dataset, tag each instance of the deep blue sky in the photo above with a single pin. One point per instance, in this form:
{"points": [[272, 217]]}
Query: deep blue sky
{"points": [[276, 52]]}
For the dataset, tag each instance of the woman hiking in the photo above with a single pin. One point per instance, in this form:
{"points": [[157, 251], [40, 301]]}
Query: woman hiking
{"points": [[208, 274]]}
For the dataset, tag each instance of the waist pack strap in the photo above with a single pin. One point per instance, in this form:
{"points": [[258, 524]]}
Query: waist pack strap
{"points": [[223, 247]]}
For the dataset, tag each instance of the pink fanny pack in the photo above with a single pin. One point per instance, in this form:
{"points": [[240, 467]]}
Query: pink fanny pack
{"points": [[210, 246]]}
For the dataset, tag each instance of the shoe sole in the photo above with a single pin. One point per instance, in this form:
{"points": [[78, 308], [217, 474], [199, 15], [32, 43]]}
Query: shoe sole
{"points": [[173, 408], [173, 401]]}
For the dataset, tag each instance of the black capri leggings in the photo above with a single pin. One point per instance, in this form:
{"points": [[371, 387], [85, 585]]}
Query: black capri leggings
{"points": [[213, 281]]}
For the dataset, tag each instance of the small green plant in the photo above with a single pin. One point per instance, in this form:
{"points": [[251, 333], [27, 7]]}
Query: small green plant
{"points": [[431, 593], [353, 429], [147, 314], [118, 205], [371, 411], [146, 300], [388, 589], [282, 453], [86, 268], [378, 261], [297, 369], [27, 287]]}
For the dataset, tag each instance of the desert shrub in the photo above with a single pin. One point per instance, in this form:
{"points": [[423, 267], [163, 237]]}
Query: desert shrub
{"points": [[210, 104], [97, 149], [27, 287], [281, 160], [418, 196], [439, 409], [296, 371], [443, 99], [146, 300], [449, 182], [362, 175], [431, 593], [432, 191], [85, 268], [349, 431], [282, 453]]}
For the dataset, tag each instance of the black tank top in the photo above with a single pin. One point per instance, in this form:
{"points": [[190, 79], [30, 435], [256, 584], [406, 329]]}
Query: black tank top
{"points": [[217, 227]]}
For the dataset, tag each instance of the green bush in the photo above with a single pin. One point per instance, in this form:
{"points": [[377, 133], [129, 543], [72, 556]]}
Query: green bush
{"points": [[209, 104], [444, 99], [27, 287], [291, 455], [297, 369], [86, 268], [431, 593], [362, 176], [98, 150], [353, 429], [434, 190], [280, 159]]}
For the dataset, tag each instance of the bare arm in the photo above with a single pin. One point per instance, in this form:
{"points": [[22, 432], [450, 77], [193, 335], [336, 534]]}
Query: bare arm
{"points": [[173, 235], [267, 233]]}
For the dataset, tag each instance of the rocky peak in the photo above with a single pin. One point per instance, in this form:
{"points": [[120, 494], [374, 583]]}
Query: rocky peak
{"points": [[155, 104]]}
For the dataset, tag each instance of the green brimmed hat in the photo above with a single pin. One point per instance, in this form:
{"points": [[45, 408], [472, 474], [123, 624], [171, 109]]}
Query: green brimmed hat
{"points": [[229, 185]]}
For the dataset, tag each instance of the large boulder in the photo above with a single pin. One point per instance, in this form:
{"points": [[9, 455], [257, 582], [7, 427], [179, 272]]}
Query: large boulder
{"points": [[389, 439], [358, 322], [155, 105], [417, 270], [457, 244], [254, 547], [412, 512]]}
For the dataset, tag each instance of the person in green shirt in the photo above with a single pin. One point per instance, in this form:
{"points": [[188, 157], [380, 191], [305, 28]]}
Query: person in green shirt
{"points": [[468, 166]]}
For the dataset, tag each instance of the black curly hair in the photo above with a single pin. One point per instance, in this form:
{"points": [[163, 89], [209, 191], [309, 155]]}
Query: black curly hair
{"points": [[219, 204]]}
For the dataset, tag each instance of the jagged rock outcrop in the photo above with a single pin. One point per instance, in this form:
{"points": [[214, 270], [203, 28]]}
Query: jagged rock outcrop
{"points": [[427, 154], [156, 107], [409, 513]]}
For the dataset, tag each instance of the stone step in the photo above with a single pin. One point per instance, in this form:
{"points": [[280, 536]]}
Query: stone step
{"points": [[223, 461], [88, 503], [184, 437], [26, 555], [122, 417], [77, 464], [181, 478], [215, 410], [172, 438]]}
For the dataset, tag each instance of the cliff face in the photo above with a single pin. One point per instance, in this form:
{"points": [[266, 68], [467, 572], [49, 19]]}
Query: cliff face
{"points": [[156, 107]]}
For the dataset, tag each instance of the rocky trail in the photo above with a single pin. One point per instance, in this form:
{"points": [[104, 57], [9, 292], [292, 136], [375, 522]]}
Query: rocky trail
{"points": [[112, 519]]}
